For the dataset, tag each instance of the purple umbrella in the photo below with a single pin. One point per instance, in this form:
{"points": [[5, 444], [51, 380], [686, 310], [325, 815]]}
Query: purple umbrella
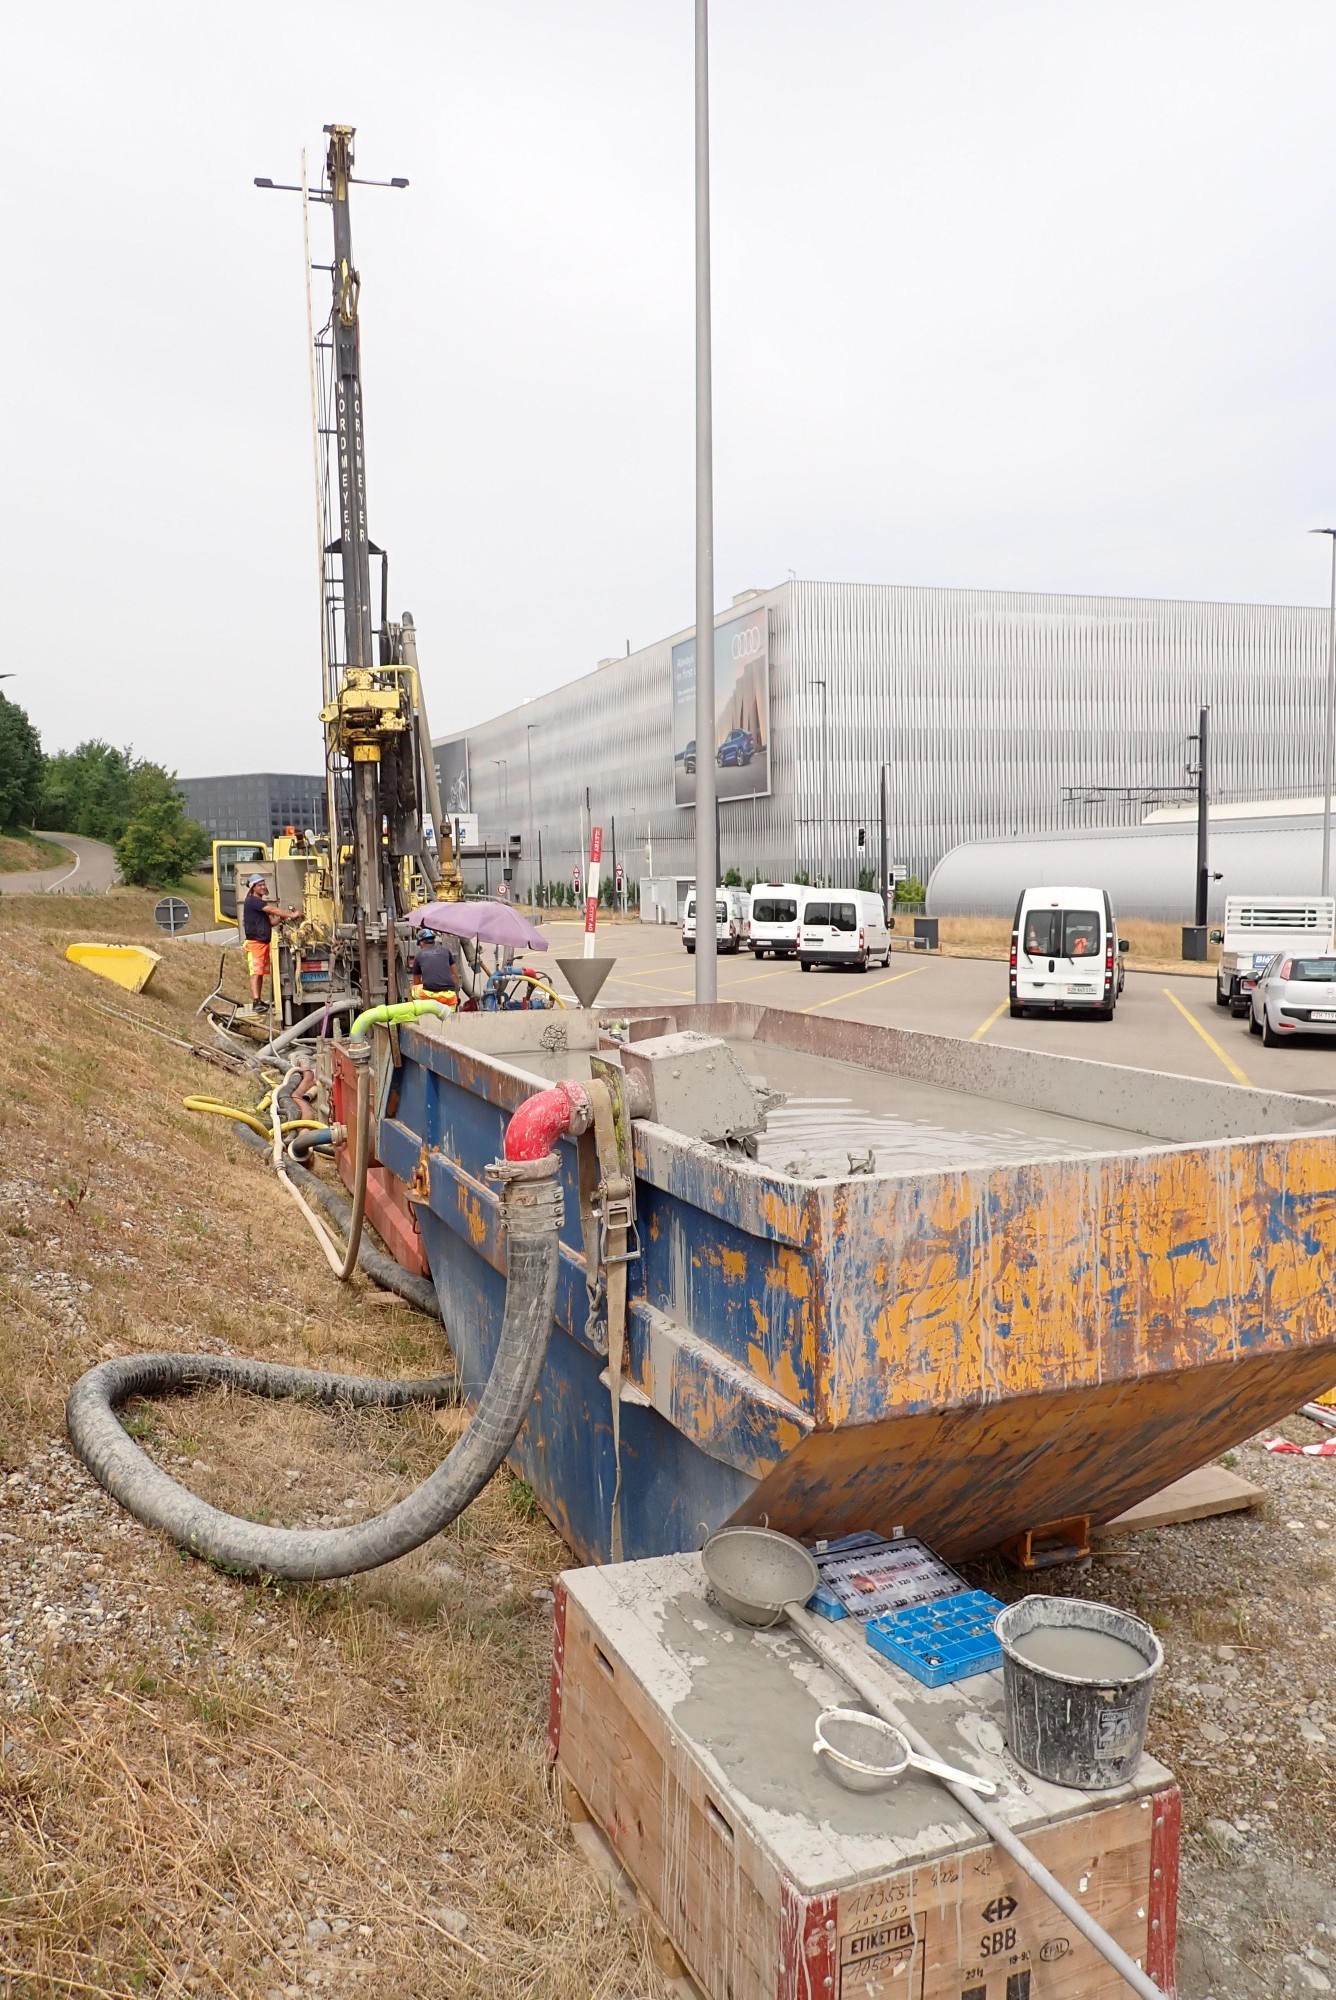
{"points": [[488, 923]]}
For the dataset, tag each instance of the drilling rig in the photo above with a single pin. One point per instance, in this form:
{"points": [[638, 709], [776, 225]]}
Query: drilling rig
{"points": [[356, 884]]}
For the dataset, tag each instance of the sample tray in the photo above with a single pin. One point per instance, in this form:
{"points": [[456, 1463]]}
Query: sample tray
{"points": [[863, 1575], [941, 1642]]}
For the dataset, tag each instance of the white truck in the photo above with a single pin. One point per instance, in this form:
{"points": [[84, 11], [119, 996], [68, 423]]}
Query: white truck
{"points": [[1256, 928]]}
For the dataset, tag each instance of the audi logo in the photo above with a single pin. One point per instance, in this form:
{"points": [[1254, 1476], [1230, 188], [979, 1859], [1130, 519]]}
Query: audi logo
{"points": [[745, 644]]}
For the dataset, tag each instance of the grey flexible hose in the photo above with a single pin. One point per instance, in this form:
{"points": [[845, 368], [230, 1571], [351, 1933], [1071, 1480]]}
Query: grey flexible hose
{"points": [[308, 1025], [383, 1270], [531, 1216]]}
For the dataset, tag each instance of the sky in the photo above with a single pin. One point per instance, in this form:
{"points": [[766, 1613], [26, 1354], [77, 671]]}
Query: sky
{"points": [[1018, 296]]}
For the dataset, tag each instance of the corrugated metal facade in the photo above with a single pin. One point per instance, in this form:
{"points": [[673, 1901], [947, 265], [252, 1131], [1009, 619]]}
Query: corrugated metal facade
{"points": [[987, 706], [1149, 871]]}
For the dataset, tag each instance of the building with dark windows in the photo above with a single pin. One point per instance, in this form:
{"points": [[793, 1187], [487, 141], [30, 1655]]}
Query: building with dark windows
{"points": [[258, 805]]}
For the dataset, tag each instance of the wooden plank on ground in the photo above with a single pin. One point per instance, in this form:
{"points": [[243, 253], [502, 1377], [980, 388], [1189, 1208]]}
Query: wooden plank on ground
{"points": [[1212, 1489]]}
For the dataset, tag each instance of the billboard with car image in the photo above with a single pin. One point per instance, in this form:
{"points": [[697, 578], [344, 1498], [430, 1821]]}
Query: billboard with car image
{"points": [[741, 747]]}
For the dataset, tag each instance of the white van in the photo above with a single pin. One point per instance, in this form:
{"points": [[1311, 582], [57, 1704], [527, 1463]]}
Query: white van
{"points": [[842, 927], [732, 920], [775, 908], [1065, 953]]}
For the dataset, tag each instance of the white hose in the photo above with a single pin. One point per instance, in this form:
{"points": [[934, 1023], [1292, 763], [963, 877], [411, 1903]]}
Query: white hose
{"points": [[310, 1022]]}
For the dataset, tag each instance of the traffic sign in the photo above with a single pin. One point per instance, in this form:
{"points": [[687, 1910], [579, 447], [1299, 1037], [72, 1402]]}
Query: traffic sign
{"points": [[171, 915]]}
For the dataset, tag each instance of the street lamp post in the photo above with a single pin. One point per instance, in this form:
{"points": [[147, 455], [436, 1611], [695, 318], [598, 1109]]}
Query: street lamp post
{"points": [[1329, 729], [529, 729], [500, 763], [707, 858], [825, 786]]}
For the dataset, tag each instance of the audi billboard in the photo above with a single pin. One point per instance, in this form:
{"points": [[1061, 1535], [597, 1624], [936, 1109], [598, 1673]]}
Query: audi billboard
{"points": [[452, 773], [741, 746]]}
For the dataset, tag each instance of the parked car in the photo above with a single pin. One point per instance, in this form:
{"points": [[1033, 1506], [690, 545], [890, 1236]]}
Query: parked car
{"points": [[1065, 953], [843, 927], [775, 909], [738, 747], [732, 920], [1294, 996]]}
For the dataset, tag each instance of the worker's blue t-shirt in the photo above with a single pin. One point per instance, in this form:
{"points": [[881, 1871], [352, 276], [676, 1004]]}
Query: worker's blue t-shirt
{"points": [[434, 968], [255, 923]]}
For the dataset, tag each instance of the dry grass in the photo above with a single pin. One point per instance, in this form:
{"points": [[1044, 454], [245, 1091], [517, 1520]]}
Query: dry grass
{"points": [[21, 851], [194, 1770], [1151, 946]]}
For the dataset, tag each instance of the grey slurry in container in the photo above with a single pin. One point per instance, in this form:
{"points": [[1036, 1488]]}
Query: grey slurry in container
{"points": [[1077, 1679]]}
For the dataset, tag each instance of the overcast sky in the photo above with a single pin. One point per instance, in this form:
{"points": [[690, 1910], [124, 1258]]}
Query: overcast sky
{"points": [[1031, 296]]}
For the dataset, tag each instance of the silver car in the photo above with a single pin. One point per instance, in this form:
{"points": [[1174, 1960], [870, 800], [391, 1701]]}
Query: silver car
{"points": [[1294, 995]]}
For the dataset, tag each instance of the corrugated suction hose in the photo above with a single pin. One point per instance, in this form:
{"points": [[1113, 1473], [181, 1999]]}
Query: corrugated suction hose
{"points": [[531, 1207]]}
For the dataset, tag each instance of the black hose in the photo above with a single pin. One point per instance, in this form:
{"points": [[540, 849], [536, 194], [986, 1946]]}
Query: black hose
{"points": [[383, 1270], [531, 1216]]}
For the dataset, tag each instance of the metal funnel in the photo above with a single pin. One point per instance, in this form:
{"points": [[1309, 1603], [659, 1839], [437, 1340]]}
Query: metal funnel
{"points": [[585, 976]]}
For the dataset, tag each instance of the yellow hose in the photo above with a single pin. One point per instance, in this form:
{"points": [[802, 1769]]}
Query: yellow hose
{"points": [[215, 1108], [543, 987]]}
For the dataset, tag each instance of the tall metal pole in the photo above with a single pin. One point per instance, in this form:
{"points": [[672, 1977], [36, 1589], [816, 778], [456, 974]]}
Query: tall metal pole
{"points": [[707, 860], [529, 729], [884, 855], [825, 786], [1329, 731], [1203, 814]]}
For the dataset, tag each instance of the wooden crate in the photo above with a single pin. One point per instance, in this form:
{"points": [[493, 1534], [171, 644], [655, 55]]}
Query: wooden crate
{"points": [[688, 1742]]}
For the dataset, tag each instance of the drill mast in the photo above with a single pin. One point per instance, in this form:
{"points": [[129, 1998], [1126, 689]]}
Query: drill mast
{"points": [[381, 778]]}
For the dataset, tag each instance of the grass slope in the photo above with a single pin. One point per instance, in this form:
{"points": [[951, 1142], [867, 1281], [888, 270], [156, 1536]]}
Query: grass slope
{"points": [[20, 852], [229, 1788]]}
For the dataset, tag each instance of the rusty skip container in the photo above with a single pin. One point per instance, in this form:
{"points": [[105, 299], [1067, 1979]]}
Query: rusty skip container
{"points": [[968, 1349]]}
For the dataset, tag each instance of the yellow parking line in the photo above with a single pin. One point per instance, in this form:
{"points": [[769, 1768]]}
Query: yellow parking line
{"points": [[996, 1015], [655, 986], [747, 978], [857, 993], [1209, 1040]]}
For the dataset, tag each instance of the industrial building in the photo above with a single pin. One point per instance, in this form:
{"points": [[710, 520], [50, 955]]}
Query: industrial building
{"points": [[256, 805], [999, 714]]}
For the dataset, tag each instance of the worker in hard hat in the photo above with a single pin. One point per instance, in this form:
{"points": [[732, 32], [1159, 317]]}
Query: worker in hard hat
{"points": [[259, 914], [432, 969]]}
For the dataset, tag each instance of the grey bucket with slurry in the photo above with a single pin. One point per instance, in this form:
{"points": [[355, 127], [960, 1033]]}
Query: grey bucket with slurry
{"points": [[1067, 1727]]}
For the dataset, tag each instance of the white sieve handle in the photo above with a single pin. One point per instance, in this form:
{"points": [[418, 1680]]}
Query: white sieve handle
{"points": [[983, 1786]]}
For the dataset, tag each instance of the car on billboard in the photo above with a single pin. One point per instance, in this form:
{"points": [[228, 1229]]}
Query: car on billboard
{"points": [[689, 757], [738, 747]]}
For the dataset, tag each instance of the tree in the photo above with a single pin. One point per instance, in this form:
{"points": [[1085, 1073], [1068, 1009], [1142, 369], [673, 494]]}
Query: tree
{"points": [[89, 790], [732, 879], [159, 844], [20, 766], [866, 879], [909, 891]]}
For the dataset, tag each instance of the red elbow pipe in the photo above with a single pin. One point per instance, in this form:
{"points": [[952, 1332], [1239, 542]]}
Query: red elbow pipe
{"points": [[536, 1126]]}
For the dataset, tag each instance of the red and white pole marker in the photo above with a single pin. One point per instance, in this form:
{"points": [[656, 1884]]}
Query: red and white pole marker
{"points": [[591, 887]]}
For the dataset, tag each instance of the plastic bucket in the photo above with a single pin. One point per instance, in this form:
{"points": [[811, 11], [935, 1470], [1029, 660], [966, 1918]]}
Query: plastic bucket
{"points": [[1064, 1724]]}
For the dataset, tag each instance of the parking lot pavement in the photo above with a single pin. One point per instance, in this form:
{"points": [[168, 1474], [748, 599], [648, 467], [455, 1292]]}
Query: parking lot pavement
{"points": [[1165, 1020]]}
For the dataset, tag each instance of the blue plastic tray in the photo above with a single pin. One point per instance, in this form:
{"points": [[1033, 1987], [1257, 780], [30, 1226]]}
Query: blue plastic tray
{"points": [[940, 1642]]}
